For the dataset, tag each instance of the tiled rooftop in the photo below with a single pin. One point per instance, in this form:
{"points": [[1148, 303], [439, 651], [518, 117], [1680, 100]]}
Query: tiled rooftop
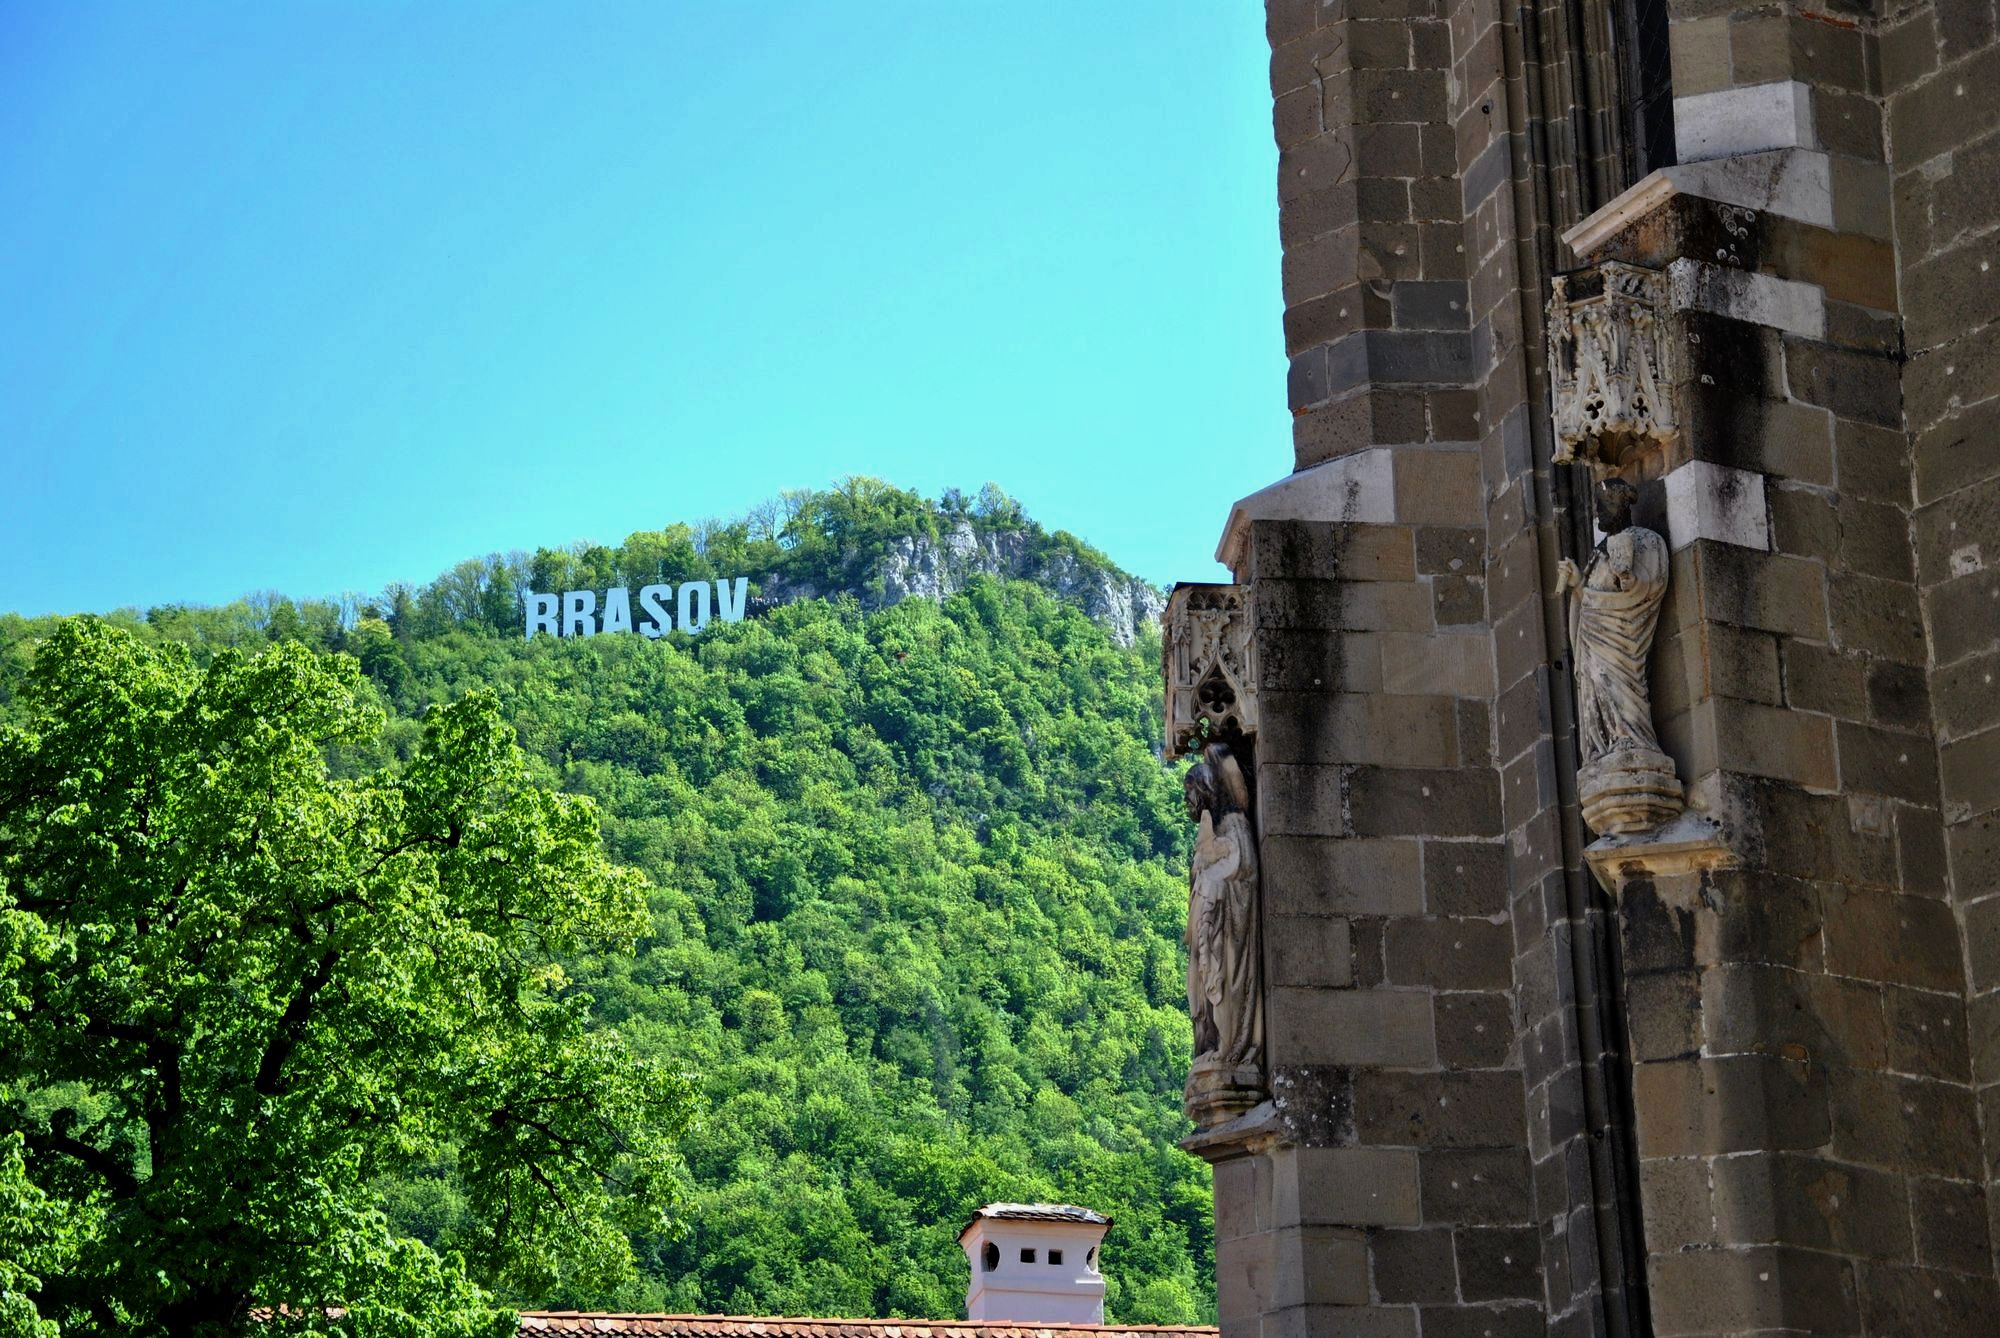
{"points": [[585, 1325]]}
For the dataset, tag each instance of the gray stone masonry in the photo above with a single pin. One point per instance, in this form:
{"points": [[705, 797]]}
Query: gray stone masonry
{"points": [[1510, 1097]]}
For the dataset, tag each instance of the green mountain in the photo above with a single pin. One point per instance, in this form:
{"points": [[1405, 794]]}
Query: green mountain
{"points": [[918, 882]]}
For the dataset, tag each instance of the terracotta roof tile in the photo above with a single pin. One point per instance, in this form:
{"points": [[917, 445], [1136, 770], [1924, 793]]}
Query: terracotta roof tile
{"points": [[559, 1322]]}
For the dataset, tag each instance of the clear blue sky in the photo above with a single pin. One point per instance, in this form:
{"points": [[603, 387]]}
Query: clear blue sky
{"points": [[315, 297]]}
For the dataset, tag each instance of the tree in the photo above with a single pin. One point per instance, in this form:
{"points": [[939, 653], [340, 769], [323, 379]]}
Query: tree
{"points": [[236, 994]]}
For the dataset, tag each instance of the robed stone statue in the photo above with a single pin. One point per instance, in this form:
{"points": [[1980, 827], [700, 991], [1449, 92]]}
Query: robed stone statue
{"points": [[1225, 948], [1625, 783]]}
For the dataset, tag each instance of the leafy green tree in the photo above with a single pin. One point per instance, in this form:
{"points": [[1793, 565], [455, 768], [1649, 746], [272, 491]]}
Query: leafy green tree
{"points": [[239, 994]]}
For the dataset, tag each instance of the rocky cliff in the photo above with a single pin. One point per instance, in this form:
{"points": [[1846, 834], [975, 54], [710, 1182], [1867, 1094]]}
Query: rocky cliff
{"points": [[920, 566]]}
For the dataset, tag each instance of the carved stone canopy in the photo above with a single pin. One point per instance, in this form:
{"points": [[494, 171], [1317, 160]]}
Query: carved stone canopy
{"points": [[1611, 362], [1209, 661]]}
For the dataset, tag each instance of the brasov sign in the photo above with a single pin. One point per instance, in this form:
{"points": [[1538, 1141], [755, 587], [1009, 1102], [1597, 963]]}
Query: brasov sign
{"points": [[575, 612]]}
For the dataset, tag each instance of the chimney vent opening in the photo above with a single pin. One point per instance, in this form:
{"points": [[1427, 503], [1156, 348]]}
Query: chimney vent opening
{"points": [[1027, 1256], [1055, 1256]]}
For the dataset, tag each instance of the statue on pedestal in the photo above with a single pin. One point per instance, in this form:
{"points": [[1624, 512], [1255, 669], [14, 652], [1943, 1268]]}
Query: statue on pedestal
{"points": [[1626, 784], [1225, 949]]}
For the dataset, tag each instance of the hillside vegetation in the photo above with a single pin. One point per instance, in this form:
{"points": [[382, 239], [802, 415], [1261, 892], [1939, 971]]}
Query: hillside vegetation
{"points": [[916, 888]]}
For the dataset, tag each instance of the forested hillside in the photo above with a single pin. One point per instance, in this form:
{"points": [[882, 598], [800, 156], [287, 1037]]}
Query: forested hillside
{"points": [[916, 885]]}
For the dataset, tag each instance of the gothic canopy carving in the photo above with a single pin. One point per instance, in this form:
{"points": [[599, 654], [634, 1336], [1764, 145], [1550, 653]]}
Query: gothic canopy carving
{"points": [[1610, 361], [1208, 657]]}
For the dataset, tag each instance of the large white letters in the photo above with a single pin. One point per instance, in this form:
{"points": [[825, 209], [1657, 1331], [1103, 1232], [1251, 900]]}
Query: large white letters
{"points": [[652, 603], [693, 603], [578, 608], [730, 598], [542, 614], [693, 594], [617, 610]]}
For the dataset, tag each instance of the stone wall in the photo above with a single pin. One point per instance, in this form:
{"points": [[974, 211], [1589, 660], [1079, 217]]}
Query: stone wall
{"points": [[1736, 1078]]}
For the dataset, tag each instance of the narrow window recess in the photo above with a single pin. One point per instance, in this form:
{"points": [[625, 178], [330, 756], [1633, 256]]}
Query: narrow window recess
{"points": [[1055, 1256], [1027, 1256]]}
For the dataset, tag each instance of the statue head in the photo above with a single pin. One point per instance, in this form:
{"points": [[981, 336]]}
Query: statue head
{"points": [[1201, 790], [1615, 498], [1215, 784]]}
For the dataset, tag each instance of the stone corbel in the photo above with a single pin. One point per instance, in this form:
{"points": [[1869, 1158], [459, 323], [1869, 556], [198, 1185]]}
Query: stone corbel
{"points": [[1611, 363], [1209, 660]]}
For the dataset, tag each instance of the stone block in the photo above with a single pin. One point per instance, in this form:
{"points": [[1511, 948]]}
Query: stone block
{"points": [[1968, 696], [1316, 661], [1807, 835], [1514, 1319], [1395, 801], [1332, 876], [1899, 695], [1880, 761], [1318, 1266], [1499, 1263], [1663, 1015], [1242, 1277], [1299, 800], [1674, 1195], [1325, 727], [1825, 679], [1952, 1228], [1961, 449], [1982, 942], [1923, 1300], [1752, 1291], [1975, 857], [1799, 1015], [1892, 937], [1746, 1103], [1969, 773], [1426, 1110], [1812, 1202], [1458, 601], [1439, 664], [1344, 1187], [1927, 1034], [1337, 1321], [1242, 1188], [1450, 954], [1922, 866], [1449, 550], [1770, 741], [1909, 1125], [1880, 617], [1749, 916], [1308, 950], [1476, 1186], [1777, 593], [1964, 615], [1331, 550], [1804, 522], [1474, 1031], [1413, 1266], [1380, 1028], [1440, 487], [1465, 877]]}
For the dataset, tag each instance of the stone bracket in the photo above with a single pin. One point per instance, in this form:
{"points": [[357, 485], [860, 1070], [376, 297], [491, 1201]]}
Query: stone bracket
{"points": [[1690, 843], [1209, 659], [1612, 365]]}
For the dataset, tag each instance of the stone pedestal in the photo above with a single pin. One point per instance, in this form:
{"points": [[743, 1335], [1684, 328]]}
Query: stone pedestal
{"points": [[1629, 792], [1217, 1093]]}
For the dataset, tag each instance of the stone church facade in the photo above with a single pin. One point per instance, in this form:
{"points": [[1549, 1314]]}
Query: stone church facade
{"points": [[1642, 348]]}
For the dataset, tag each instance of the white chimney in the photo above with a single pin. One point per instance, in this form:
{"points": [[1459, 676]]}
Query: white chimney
{"points": [[1034, 1263]]}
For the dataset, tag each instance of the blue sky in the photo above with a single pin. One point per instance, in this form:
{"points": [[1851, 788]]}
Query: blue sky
{"points": [[315, 297]]}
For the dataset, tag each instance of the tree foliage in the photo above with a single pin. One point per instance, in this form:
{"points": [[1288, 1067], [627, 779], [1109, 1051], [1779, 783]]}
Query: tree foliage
{"points": [[915, 895], [242, 991]]}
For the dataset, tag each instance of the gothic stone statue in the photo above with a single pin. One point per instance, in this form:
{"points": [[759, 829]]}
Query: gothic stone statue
{"points": [[1225, 964], [1626, 784]]}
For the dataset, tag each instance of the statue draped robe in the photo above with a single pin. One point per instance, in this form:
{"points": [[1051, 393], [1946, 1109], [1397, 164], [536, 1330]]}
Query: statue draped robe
{"points": [[1224, 964], [1612, 617]]}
